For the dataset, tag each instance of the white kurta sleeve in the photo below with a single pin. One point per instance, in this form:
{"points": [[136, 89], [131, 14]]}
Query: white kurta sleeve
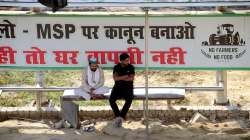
{"points": [[85, 86], [101, 80]]}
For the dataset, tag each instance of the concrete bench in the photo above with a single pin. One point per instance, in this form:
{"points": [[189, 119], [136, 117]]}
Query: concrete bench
{"points": [[70, 110], [154, 93]]}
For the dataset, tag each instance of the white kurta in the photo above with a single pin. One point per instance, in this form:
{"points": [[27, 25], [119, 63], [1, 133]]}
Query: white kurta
{"points": [[84, 89], [82, 93]]}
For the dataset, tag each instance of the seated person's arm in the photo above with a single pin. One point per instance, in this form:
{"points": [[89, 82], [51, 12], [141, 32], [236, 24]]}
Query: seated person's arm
{"points": [[131, 77], [85, 84], [101, 81], [131, 74], [119, 78]]}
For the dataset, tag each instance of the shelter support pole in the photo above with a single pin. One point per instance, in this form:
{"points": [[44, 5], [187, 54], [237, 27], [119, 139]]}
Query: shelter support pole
{"points": [[144, 109], [146, 72], [39, 83], [221, 96]]}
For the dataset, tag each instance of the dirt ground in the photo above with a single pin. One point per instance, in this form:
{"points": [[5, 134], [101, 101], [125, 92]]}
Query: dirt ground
{"points": [[131, 130]]}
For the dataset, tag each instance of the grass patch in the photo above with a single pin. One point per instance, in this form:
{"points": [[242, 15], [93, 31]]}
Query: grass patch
{"points": [[17, 78], [186, 101], [55, 97], [245, 137], [24, 78], [61, 78], [16, 99]]}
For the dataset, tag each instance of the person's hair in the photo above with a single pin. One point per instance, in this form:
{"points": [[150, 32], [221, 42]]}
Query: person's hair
{"points": [[124, 56]]}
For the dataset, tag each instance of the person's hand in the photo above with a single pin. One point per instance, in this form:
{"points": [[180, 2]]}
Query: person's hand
{"points": [[129, 79], [92, 96], [92, 90], [130, 75], [97, 96], [125, 76]]}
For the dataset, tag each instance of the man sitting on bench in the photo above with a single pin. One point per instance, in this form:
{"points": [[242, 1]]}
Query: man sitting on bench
{"points": [[92, 83], [123, 74]]}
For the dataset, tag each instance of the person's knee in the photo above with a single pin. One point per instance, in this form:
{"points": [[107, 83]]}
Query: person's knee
{"points": [[112, 100], [129, 100]]}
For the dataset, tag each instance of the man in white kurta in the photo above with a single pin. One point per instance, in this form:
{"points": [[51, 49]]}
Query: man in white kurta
{"points": [[92, 82]]}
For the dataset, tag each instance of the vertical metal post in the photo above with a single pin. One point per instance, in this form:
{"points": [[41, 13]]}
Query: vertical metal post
{"points": [[221, 98], [224, 75], [221, 80], [144, 109], [218, 78], [146, 70], [39, 83]]}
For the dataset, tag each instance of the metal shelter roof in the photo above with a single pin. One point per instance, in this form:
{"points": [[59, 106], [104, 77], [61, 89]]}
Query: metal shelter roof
{"points": [[132, 3]]}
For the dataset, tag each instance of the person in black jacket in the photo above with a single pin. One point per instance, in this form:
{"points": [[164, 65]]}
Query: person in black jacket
{"points": [[123, 75]]}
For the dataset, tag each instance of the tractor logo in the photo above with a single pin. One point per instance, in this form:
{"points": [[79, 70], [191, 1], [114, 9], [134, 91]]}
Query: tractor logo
{"points": [[226, 35], [225, 45]]}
